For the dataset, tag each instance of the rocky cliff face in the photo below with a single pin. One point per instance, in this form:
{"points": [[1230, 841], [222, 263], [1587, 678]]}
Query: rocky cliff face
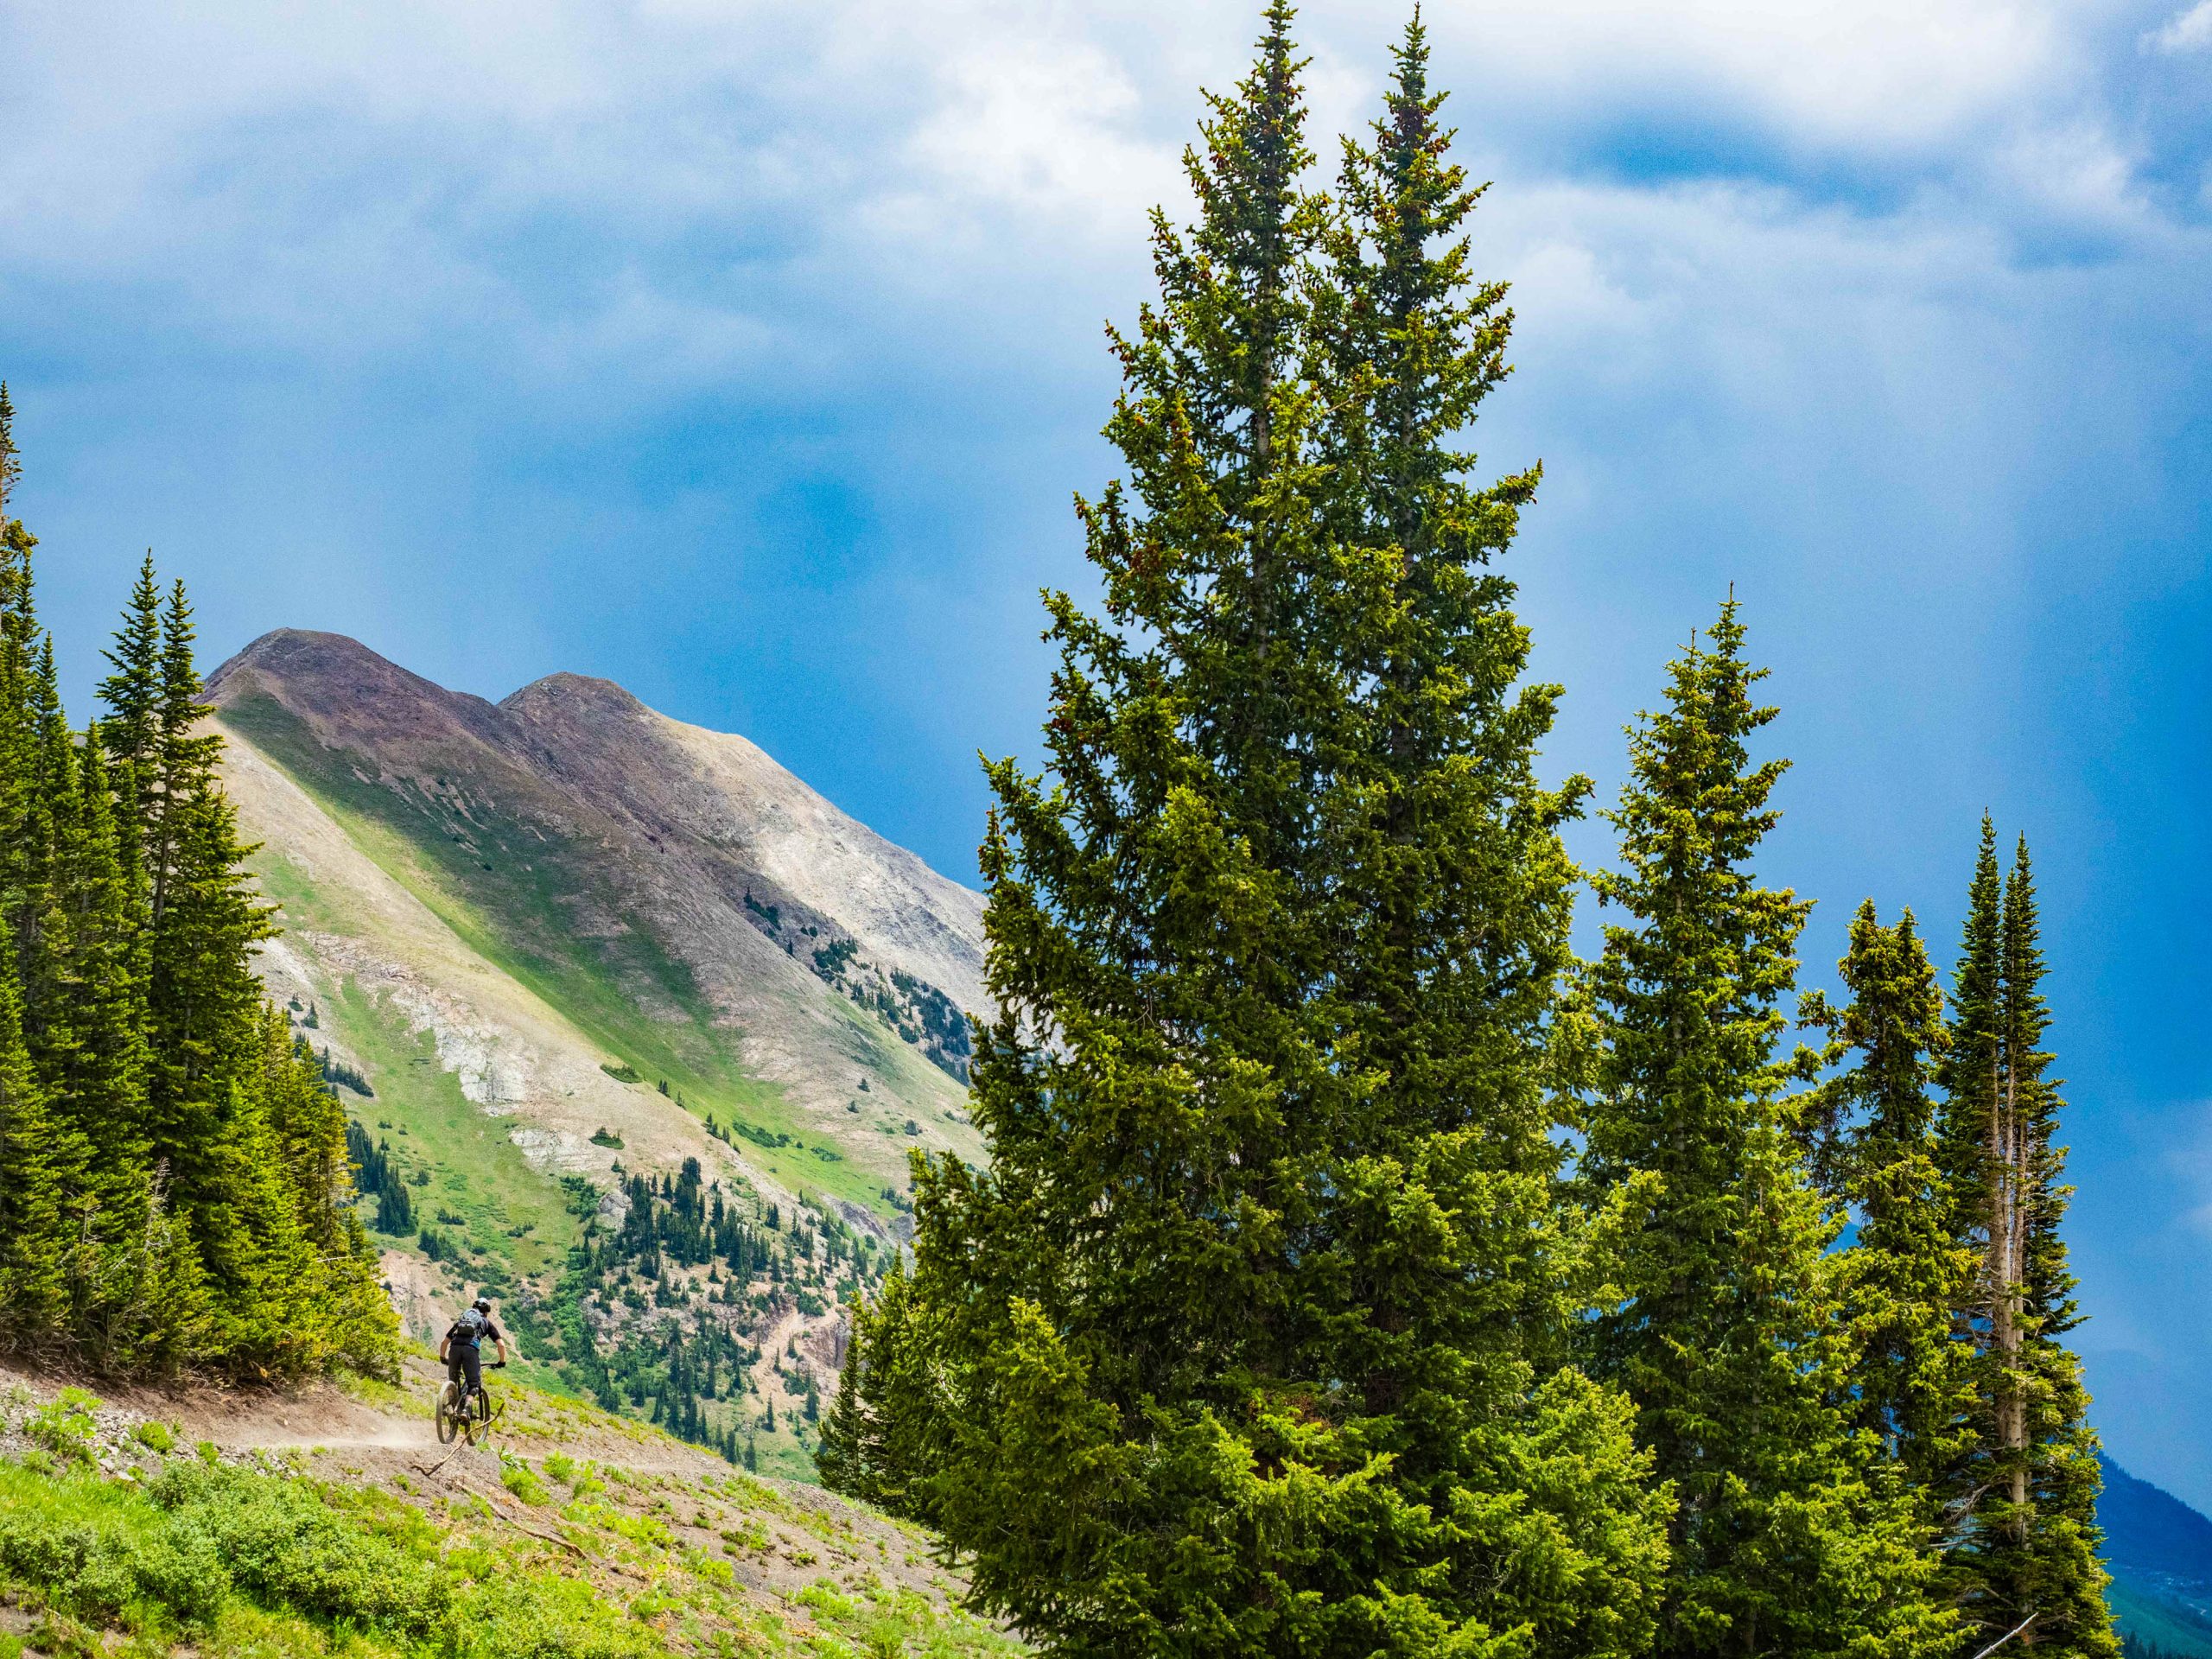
{"points": [[545, 898]]}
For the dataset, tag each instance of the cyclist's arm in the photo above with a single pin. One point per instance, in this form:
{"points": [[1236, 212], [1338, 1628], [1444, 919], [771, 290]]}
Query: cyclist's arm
{"points": [[501, 1344], [444, 1343]]}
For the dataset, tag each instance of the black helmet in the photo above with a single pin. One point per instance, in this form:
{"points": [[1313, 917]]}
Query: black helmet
{"points": [[483, 1304]]}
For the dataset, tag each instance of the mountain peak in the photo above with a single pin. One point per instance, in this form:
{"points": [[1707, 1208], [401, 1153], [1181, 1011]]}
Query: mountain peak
{"points": [[348, 693], [565, 692], [302, 654]]}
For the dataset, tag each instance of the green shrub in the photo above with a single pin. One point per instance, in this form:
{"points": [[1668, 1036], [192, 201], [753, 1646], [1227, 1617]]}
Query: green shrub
{"points": [[517, 1477], [214, 1550], [64, 1427], [96, 1550], [285, 1541], [155, 1435]]}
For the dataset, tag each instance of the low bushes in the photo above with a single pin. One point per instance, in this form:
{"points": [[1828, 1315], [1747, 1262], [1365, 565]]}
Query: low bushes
{"points": [[200, 1536]]}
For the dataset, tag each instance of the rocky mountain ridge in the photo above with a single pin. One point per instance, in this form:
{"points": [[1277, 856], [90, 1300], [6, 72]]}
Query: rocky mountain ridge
{"points": [[590, 760]]}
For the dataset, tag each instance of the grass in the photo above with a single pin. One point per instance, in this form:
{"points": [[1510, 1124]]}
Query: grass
{"points": [[165, 1562], [511, 1211]]}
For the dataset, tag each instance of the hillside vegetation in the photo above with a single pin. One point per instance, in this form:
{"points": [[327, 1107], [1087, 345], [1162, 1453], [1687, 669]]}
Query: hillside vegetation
{"points": [[319, 1522]]}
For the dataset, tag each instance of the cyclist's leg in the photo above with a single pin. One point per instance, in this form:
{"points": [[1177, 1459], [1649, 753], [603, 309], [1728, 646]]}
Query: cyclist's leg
{"points": [[472, 1362]]}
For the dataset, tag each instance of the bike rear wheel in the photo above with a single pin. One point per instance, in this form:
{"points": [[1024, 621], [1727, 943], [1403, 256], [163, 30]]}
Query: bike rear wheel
{"points": [[448, 1411]]}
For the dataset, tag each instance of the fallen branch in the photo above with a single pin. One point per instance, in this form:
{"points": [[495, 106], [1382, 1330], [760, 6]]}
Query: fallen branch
{"points": [[433, 1469], [491, 1503]]}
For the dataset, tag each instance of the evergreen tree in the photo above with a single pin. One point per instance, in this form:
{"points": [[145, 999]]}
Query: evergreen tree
{"points": [[204, 1002], [132, 692], [883, 1423], [1246, 1343], [11, 467], [846, 1462], [24, 824], [174, 1184], [2024, 1492], [92, 1041], [1905, 1381], [34, 1270], [1719, 1320], [41, 1161], [311, 1169]]}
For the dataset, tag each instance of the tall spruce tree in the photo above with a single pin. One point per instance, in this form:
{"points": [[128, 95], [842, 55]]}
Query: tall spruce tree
{"points": [[203, 999], [2023, 1493], [1904, 1380], [1720, 1318], [35, 1163], [1244, 1344]]}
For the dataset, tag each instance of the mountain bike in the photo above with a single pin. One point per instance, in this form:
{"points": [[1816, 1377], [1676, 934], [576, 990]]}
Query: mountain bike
{"points": [[464, 1412]]}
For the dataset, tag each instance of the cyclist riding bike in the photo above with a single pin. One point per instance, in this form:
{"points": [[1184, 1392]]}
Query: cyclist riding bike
{"points": [[461, 1349]]}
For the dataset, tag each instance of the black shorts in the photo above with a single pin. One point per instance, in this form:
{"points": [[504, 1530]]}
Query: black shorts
{"points": [[463, 1359]]}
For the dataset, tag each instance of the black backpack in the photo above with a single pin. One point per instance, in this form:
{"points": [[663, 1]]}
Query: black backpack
{"points": [[469, 1328]]}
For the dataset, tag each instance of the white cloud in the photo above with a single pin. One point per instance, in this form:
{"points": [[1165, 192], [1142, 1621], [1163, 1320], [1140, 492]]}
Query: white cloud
{"points": [[697, 182], [1045, 127], [2187, 31], [1874, 76]]}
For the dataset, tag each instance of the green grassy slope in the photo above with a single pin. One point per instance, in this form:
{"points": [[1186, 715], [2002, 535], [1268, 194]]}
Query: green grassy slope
{"points": [[117, 1537]]}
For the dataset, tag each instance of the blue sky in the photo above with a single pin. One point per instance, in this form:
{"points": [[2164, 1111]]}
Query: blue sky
{"points": [[749, 353]]}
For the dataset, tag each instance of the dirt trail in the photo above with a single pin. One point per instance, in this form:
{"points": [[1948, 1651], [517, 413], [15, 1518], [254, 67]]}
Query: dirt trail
{"points": [[394, 1427], [399, 1435]]}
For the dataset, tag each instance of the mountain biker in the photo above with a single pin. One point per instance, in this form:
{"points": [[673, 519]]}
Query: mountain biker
{"points": [[460, 1350]]}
